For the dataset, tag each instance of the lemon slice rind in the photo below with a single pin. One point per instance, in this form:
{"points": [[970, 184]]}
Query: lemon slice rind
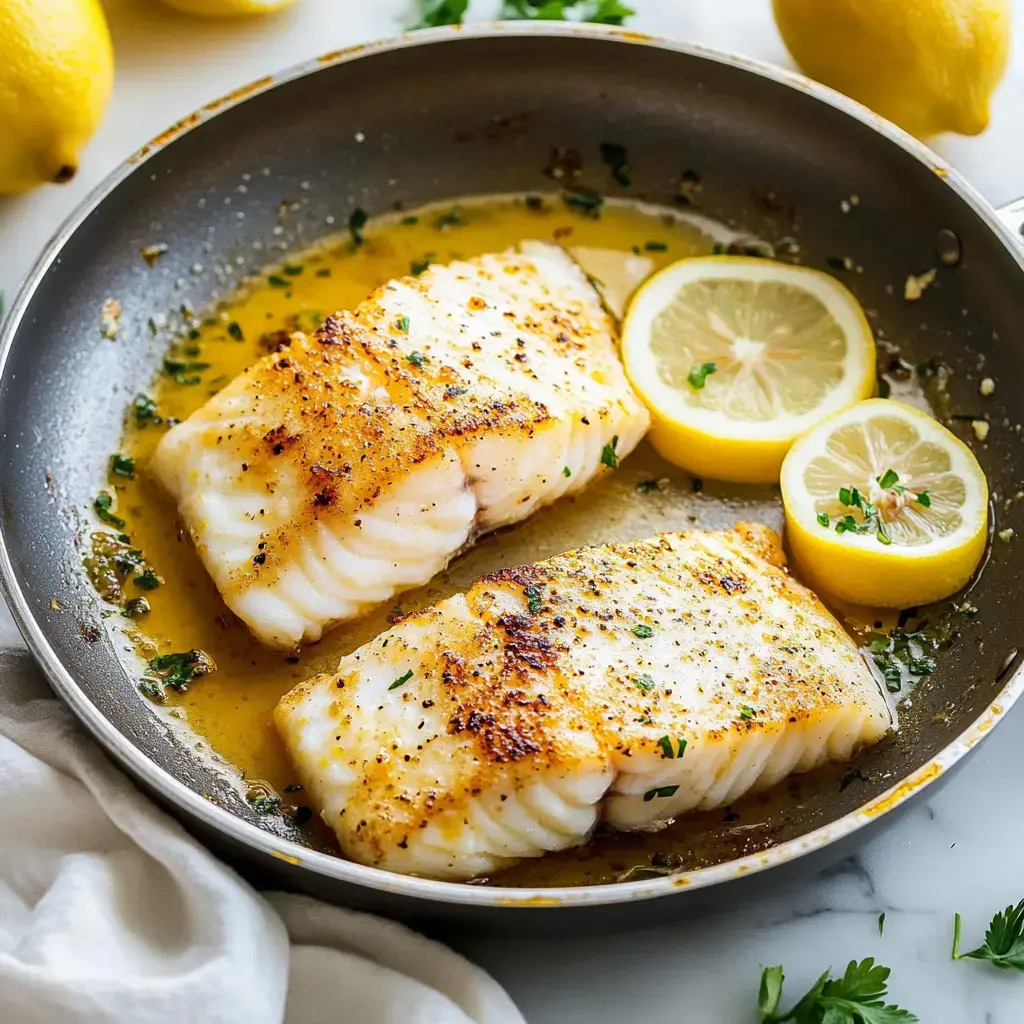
{"points": [[675, 404], [856, 566], [721, 443]]}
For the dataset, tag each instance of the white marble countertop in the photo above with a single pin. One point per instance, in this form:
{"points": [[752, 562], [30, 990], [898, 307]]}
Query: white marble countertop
{"points": [[957, 850]]}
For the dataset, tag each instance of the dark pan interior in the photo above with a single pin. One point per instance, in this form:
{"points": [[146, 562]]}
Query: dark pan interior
{"points": [[480, 115]]}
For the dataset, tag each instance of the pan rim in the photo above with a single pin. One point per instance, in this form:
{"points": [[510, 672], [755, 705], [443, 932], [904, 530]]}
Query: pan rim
{"points": [[338, 869]]}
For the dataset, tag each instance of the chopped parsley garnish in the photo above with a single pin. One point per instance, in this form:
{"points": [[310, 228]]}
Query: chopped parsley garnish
{"points": [[356, 222], [173, 366], [646, 486], [661, 791], [667, 750], [417, 267], [410, 220], [147, 581], [178, 670], [849, 778], [434, 13], [586, 200], [184, 371], [533, 600], [858, 997], [698, 376], [642, 631], [128, 561], [747, 712], [293, 269], [881, 923], [153, 690], [645, 681], [887, 479], [1004, 940], [907, 651], [416, 358], [402, 323], [401, 680], [235, 331], [566, 472], [145, 409], [101, 506], [823, 520], [135, 608], [613, 155], [451, 219], [122, 465], [277, 281], [608, 456], [263, 803], [655, 247]]}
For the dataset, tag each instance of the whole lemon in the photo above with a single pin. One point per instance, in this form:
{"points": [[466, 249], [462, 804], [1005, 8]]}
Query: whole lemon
{"points": [[929, 65], [56, 71]]}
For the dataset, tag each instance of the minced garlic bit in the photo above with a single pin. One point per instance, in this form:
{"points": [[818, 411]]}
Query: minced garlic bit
{"points": [[915, 285], [981, 429], [987, 386], [110, 318], [1005, 535]]}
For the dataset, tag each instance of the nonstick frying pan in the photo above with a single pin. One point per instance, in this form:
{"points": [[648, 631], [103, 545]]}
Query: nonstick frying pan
{"points": [[477, 111]]}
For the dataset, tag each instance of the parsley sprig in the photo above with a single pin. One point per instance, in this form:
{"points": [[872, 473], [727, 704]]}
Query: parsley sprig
{"points": [[858, 997], [1004, 940], [434, 13], [601, 12]]}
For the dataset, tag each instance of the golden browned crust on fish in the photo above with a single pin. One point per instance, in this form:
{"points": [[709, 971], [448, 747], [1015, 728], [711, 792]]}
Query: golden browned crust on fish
{"points": [[583, 662]]}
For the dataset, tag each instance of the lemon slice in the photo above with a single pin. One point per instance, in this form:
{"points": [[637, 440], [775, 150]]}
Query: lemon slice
{"points": [[228, 8], [884, 506], [737, 356]]}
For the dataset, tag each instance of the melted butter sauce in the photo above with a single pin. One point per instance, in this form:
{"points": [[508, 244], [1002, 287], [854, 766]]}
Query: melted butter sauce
{"points": [[230, 710]]}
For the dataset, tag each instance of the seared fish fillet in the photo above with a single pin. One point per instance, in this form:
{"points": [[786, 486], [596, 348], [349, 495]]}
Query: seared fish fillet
{"points": [[355, 463], [627, 684]]}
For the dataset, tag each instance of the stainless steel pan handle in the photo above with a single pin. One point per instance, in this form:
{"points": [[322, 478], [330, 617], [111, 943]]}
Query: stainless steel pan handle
{"points": [[1012, 215]]}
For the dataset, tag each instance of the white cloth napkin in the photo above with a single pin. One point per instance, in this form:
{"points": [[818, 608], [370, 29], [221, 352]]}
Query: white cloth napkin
{"points": [[111, 914]]}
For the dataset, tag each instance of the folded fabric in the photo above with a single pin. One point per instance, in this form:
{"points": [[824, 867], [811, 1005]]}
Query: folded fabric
{"points": [[110, 913]]}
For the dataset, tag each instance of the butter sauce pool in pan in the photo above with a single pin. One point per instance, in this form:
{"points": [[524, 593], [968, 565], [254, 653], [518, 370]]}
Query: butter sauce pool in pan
{"points": [[231, 708], [256, 177]]}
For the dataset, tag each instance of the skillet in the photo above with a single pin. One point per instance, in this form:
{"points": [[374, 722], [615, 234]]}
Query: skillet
{"points": [[476, 111]]}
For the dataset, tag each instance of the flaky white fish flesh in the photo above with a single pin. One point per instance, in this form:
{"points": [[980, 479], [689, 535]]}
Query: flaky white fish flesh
{"points": [[626, 684], [354, 463]]}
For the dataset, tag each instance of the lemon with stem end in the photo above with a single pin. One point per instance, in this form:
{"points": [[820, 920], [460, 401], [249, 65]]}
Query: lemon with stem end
{"points": [[929, 65], [56, 72]]}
